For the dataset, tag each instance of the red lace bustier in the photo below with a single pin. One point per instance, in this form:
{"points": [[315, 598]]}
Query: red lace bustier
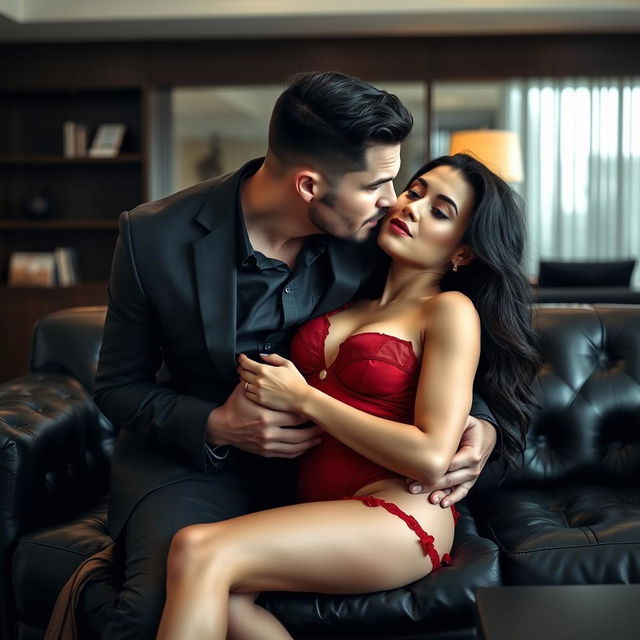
{"points": [[374, 372]]}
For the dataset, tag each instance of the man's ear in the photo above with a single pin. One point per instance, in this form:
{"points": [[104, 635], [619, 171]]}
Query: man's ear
{"points": [[463, 255], [307, 183]]}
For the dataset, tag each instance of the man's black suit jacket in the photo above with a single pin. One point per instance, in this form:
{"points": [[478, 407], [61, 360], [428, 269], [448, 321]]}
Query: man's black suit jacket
{"points": [[172, 309]]}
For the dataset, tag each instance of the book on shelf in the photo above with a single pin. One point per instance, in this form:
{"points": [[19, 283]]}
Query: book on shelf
{"points": [[74, 139], [81, 140], [66, 266], [69, 139], [107, 141]]}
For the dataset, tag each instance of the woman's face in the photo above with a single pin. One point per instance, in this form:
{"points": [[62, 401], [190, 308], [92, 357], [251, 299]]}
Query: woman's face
{"points": [[425, 228]]}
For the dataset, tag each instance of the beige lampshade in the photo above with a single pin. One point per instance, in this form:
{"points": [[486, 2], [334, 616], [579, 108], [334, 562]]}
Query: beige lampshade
{"points": [[499, 150]]}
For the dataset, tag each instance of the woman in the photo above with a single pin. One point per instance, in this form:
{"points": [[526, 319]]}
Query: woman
{"points": [[390, 381]]}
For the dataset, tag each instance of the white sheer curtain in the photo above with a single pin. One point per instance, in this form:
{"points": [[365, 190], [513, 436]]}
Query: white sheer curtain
{"points": [[581, 142]]}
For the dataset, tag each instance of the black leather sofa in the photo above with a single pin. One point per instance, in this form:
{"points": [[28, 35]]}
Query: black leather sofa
{"points": [[572, 518]]}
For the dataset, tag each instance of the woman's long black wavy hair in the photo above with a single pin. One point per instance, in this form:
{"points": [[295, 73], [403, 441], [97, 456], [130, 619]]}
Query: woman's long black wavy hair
{"points": [[496, 284]]}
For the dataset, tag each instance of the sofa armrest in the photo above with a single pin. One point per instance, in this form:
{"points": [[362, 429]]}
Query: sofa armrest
{"points": [[68, 341], [55, 449]]}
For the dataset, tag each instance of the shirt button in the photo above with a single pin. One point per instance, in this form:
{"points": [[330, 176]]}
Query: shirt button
{"points": [[323, 374], [267, 346]]}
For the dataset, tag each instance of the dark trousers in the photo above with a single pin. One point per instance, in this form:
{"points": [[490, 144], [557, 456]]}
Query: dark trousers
{"points": [[130, 606]]}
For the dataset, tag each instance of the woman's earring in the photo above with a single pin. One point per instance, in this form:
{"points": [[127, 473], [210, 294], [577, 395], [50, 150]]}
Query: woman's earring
{"points": [[455, 267]]}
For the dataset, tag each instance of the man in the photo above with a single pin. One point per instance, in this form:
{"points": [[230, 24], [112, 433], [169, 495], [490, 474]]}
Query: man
{"points": [[234, 265]]}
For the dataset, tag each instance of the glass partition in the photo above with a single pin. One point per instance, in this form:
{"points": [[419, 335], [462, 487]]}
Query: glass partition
{"points": [[215, 130]]}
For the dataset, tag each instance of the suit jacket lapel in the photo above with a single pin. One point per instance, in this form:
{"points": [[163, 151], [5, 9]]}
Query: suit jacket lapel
{"points": [[215, 258], [216, 279]]}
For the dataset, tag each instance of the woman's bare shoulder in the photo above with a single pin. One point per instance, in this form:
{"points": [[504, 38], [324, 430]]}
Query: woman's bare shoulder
{"points": [[451, 309]]}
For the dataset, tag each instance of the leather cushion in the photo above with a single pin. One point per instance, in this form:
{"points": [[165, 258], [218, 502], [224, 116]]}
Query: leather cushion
{"points": [[54, 452], [577, 534], [44, 561]]}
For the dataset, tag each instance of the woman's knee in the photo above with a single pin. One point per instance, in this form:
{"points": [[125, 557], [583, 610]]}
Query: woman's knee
{"points": [[188, 544], [197, 548]]}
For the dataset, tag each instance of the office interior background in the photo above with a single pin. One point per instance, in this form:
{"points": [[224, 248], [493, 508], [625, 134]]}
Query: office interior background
{"points": [[193, 83]]}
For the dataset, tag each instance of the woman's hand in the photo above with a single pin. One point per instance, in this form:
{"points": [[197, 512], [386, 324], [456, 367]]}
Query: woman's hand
{"points": [[277, 385]]}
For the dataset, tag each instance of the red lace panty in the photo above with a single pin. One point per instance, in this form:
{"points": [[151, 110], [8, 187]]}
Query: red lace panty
{"points": [[426, 541]]}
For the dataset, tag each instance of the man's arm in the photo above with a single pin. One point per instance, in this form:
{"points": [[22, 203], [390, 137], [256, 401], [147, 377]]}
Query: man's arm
{"points": [[480, 410], [127, 392]]}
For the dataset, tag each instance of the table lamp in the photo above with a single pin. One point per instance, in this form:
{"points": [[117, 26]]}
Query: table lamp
{"points": [[499, 150]]}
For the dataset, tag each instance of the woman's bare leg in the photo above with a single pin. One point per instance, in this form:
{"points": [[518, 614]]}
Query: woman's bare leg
{"points": [[327, 547], [250, 621]]}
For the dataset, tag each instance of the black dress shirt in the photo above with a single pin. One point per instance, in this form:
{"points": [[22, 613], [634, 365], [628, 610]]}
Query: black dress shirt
{"points": [[274, 300]]}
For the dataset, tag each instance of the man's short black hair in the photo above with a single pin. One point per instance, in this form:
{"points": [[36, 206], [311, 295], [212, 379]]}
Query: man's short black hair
{"points": [[329, 119]]}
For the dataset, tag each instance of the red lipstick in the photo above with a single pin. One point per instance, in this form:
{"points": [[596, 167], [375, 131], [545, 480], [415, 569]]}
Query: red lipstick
{"points": [[398, 226]]}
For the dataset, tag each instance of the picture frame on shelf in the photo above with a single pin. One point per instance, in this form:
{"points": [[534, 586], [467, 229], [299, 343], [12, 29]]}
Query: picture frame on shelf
{"points": [[32, 269], [107, 140]]}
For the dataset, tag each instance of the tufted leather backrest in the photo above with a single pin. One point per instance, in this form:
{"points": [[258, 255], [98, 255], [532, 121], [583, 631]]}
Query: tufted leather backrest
{"points": [[588, 426], [69, 341]]}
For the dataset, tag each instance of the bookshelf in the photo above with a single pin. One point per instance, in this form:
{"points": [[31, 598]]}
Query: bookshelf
{"points": [[85, 195]]}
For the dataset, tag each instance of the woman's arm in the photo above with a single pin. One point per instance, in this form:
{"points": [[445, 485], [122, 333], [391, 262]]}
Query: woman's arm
{"points": [[443, 398]]}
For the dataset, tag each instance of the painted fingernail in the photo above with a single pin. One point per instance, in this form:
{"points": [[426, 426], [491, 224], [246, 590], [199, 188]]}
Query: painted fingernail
{"points": [[416, 488], [445, 503], [436, 499]]}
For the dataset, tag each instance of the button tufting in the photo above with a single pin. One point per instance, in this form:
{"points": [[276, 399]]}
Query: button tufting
{"points": [[323, 374]]}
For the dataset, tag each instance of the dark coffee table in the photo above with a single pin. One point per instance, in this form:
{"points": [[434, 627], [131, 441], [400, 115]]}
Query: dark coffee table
{"points": [[571, 612]]}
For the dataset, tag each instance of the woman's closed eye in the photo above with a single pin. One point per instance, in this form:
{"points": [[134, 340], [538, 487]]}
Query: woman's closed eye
{"points": [[439, 213]]}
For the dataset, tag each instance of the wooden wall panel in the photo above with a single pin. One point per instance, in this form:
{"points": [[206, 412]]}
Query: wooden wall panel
{"points": [[21, 307], [101, 64]]}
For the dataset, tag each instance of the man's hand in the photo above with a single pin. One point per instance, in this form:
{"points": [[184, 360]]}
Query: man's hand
{"points": [[251, 427], [476, 445]]}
